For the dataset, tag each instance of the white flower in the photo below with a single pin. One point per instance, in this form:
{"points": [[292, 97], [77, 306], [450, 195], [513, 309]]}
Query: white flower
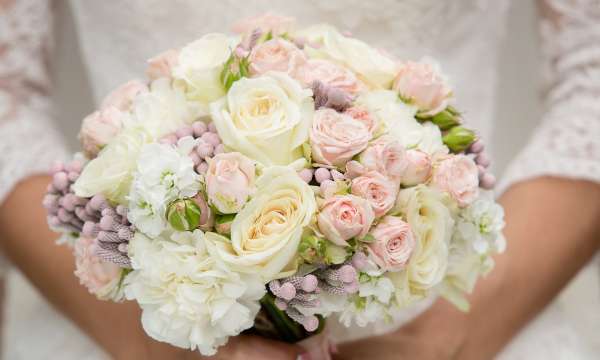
{"points": [[371, 65], [362, 311], [265, 235], [189, 299], [111, 172], [381, 288], [483, 222], [200, 64], [265, 118], [163, 174]]}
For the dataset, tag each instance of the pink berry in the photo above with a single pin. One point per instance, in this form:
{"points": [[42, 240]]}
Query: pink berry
{"points": [[60, 181], [88, 229], [306, 175], [204, 149], [122, 247], [322, 174], [74, 166], [336, 175], [310, 283], [72, 176], [212, 127], [202, 168], [347, 274], [481, 171], [351, 288], [488, 181], [287, 291], [211, 138], [97, 202], [359, 260], [195, 158], [54, 221], [184, 131], [310, 323], [483, 160], [219, 149], [477, 147], [199, 128], [57, 167], [106, 223], [64, 216]]}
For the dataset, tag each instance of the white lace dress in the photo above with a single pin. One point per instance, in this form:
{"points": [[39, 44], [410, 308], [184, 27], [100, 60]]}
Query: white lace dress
{"points": [[118, 36]]}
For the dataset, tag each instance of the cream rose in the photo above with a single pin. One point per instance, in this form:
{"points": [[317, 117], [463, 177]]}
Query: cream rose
{"points": [[458, 176], [335, 138], [266, 233], [379, 191], [343, 217], [99, 128], [265, 118], [276, 55], [422, 84], [330, 74], [386, 156], [393, 245], [229, 181]]}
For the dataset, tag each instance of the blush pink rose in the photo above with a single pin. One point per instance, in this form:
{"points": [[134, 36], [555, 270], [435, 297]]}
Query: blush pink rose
{"points": [[335, 138], [99, 277], [393, 244], [123, 96], [363, 115], [418, 169], [98, 129], [377, 189], [330, 74], [343, 217], [276, 55], [386, 156], [229, 181], [162, 64], [458, 176], [268, 22], [422, 84]]}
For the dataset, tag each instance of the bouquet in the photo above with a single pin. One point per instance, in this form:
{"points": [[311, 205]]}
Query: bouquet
{"points": [[265, 181]]}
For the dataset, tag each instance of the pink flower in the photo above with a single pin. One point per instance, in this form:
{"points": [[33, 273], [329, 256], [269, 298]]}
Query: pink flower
{"points": [[393, 245], [269, 22], [162, 64], [343, 217], [276, 55], [99, 277], [363, 115], [386, 156], [422, 84], [207, 217], [330, 74], [99, 128], [379, 191], [229, 181], [458, 176], [123, 96], [335, 138], [418, 169]]}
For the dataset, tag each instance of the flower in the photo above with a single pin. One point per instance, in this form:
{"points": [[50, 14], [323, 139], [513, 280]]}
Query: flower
{"points": [[163, 174], [343, 217], [266, 233], [100, 278], [422, 84], [275, 24], [162, 65], [188, 298], [363, 115], [265, 118], [386, 156], [200, 63], [335, 138], [229, 181], [122, 97], [482, 223], [418, 169], [330, 74], [99, 128], [458, 176], [379, 191], [276, 55], [111, 172], [431, 222], [393, 245]]}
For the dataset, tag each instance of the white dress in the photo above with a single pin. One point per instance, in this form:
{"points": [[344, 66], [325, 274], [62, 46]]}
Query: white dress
{"points": [[118, 36]]}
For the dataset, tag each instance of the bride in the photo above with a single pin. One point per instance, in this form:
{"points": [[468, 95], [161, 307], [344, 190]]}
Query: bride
{"points": [[551, 193]]}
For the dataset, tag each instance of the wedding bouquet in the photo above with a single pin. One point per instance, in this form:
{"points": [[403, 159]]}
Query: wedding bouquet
{"points": [[267, 180]]}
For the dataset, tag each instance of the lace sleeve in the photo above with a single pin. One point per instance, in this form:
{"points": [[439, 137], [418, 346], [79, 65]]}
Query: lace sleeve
{"points": [[28, 141], [567, 143]]}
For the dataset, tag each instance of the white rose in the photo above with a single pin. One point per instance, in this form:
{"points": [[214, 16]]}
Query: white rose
{"points": [[111, 172], [266, 233], [265, 118], [371, 65], [200, 64]]}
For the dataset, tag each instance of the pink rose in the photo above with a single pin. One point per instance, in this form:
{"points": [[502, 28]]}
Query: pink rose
{"points": [[393, 245], [269, 22], [123, 96], [343, 217], [335, 138], [386, 156], [330, 74], [99, 277], [422, 84], [99, 128], [162, 64], [363, 115], [276, 55], [229, 181], [458, 176], [379, 191], [418, 169]]}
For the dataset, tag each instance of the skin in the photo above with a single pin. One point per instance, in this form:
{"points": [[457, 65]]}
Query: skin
{"points": [[552, 231]]}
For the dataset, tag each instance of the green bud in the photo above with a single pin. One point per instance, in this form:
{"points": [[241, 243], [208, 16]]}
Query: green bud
{"points": [[184, 215], [335, 254], [446, 119], [234, 69], [459, 138], [223, 223], [311, 248]]}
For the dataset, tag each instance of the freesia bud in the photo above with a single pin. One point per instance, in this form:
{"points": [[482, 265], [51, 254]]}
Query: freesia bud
{"points": [[223, 223], [184, 215], [446, 119], [459, 138]]}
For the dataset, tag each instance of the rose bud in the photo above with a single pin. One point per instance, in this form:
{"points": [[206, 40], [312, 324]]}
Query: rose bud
{"points": [[459, 138], [223, 224], [418, 169], [184, 214]]}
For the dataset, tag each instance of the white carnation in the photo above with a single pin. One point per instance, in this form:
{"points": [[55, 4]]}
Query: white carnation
{"points": [[189, 299]]}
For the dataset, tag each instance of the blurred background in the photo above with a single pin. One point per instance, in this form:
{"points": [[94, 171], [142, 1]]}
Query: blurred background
{"points": [[516, 116]]}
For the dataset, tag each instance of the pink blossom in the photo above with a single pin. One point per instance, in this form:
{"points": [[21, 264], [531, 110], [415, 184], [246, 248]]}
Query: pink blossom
{"points": [[99, 128], [268, 22], [343, 217], [363, 115], [458, 176], [393, 245], [123, 96], [99, 277], [386, 156], [207, 217], [276, 55], [162, 64], [379, 191], [418, 169], [330, 74], [229, 181], [422, 84]]}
